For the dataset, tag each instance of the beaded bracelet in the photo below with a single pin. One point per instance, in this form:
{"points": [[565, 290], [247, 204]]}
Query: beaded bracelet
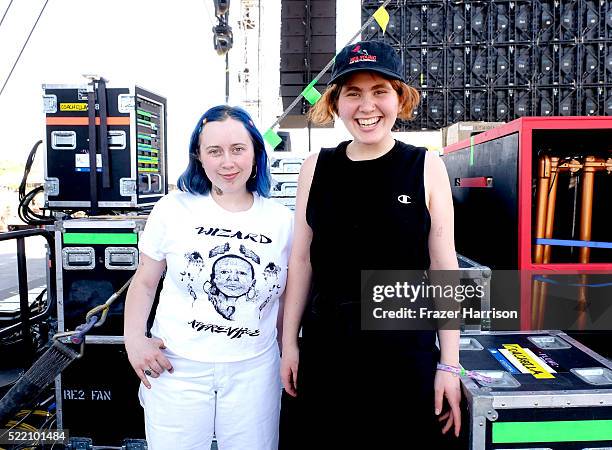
{"points": [[462, 373]]}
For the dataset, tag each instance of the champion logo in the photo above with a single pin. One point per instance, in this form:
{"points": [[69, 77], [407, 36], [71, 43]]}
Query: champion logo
{"points": [[405, 199]]}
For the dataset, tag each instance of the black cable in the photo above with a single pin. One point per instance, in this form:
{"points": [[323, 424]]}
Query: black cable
{"points": [[23, 48], [23, 209], [5, 11], [553, 181], [28, 167], [26, 214]]}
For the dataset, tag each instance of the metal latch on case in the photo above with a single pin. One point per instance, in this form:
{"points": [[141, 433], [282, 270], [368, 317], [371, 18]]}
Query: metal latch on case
{"points": [[52, 186], [78, 258], [121, 258], [145, 178], [155, 180], [127, 187]]}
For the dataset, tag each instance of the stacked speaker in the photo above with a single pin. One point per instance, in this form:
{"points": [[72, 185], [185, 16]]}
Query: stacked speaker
{"points": [[308, 43], [497, 60]]}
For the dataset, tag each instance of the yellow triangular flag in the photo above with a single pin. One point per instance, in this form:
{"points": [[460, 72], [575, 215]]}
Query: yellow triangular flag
{"points": [[382, 17]]}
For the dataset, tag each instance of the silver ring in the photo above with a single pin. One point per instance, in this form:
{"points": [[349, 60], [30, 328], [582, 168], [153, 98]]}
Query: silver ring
{"points": [[148, 373]]}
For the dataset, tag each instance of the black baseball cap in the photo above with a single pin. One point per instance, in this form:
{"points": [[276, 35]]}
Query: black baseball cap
{"points": [[376, 56]]}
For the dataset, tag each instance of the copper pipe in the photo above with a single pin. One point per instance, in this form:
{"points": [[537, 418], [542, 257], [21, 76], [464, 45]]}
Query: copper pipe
{"points": [[540, 289], [586, 209], [550, 210], [591, 165], [540, 229], [542, 304], [548, 171], [573, 166], [541, 205]]}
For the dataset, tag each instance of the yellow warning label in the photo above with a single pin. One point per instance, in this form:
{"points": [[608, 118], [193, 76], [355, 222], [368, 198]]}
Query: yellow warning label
{"points": [[73, 106], [526, 361]]}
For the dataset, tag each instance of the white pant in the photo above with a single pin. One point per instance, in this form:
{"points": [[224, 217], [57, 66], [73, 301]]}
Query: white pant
{"points": [[237, 401]]}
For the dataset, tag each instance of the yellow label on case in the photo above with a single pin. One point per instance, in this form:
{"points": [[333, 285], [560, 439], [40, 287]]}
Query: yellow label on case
{"points": [[526, 361], [73, 106]]}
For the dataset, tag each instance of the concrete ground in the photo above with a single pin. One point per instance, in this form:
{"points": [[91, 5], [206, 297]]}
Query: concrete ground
{"points": [[36, 265]]}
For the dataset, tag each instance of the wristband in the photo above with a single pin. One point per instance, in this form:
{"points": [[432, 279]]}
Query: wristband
{"points": [[464, 373]]}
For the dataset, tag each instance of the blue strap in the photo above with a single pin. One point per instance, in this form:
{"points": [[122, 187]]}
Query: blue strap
{"points": [[573, 243], [543, 279], [83, 329]]}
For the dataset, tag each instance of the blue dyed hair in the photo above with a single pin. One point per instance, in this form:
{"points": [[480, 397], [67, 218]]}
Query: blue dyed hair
{"points": [[194, 178]]}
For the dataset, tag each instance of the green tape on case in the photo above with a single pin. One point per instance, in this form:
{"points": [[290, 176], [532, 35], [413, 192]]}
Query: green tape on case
{"points": [[471, 150], [551, 431], [101, 238]]}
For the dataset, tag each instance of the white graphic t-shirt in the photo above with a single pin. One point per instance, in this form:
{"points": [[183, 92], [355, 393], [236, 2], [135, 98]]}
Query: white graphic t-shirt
{"points": [[225, 273]]}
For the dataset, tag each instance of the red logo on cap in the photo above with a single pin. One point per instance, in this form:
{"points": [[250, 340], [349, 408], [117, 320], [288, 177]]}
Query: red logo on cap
{"points": [[362, 55], [357, 49]]}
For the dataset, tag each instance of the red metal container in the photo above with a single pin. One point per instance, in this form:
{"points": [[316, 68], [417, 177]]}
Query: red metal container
{"points": [[494, 178]]}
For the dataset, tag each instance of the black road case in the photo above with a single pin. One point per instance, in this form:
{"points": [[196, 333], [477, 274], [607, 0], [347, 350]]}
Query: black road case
{"points": [[548, 391], [96, 396], [127, 133], [94, 258]]}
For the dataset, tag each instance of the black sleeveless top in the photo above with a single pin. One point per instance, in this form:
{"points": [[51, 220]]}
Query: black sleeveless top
{"points": [[364, 215]]}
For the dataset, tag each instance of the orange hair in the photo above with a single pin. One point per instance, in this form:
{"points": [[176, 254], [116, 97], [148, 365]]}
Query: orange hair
{"points": [[326, 108]]}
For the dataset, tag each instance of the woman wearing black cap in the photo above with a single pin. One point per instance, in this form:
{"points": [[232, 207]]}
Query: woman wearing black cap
{"points": [[370, 203]]}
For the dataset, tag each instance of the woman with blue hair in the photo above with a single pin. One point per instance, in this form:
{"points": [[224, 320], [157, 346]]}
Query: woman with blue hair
{"points": [[210, 365]]}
